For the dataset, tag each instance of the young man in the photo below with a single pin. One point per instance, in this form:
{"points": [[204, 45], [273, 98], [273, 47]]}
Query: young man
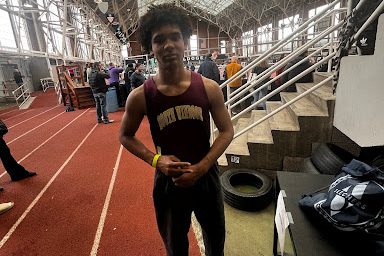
{"points": [[177, 103], [137, 77]]}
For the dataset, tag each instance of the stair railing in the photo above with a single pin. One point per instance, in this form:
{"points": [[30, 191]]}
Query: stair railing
{"points": [[267, 73], [283, 106], [301, 30], [373, 16], [22, 92], [279, 76]]}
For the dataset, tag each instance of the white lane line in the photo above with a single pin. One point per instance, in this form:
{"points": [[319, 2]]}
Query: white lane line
{"points": [[100, 227], [22, 135], [32, 117], [30, 153], [9, 112], [18, 115], [34, 202]]}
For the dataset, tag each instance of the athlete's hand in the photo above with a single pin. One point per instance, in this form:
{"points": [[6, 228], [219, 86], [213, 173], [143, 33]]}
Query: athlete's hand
{"points": [[189, 178], [170, 165]]}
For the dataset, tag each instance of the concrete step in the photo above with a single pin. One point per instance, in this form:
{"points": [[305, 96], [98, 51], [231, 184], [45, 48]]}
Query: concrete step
{"points": [[322, 96], [320, 76], [261, 133], [239, 145], [282, 121], [301, 108]]}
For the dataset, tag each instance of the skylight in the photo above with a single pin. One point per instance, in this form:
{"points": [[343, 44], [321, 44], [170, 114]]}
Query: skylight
{"points": [[210, 6]]}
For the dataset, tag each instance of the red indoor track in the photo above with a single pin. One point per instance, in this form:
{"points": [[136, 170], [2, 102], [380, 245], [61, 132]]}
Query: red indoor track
{"points": [[90, 197]]}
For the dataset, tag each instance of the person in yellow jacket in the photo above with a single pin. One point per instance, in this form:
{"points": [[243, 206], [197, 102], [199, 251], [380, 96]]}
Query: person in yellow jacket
{"points": [[231, 69]]}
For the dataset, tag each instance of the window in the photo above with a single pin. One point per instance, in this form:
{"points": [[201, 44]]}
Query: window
{"points": [[286, 27], [193, 44], [264, 38], [7, 38], [247, 42], [222, 47], [322, 25]]}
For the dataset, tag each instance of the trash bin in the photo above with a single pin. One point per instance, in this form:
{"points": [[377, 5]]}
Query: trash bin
{"points": [[112, 105]]}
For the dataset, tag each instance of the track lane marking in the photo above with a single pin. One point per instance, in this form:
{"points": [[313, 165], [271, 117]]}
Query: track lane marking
{"points": [[103, 215], [18, 115], [22, 135], [34, 202], [9, 112], [32, 117], [30, 153]]}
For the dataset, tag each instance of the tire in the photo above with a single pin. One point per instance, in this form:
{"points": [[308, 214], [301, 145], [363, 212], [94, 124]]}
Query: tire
{"points": [[329, 159], [308, 167], [247, 201]]}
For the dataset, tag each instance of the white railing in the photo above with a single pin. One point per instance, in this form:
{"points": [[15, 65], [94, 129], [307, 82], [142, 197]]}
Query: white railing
{"points": [[46, 83], [22, 94], [267, 73], [254, 83]]}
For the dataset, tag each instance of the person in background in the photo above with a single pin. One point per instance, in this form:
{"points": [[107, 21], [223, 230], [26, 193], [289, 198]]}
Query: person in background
{"points": [[178, 104], [18, 77], [308, 78], [88, 70], [114, 81], [192, 68], [99, 89], [137, 78], [209, 68], [230, 70], [260, 68], [127, 79]]}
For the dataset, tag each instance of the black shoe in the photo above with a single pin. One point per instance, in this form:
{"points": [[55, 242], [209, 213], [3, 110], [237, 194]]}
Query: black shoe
{"points": [[23, 176], [1, 189], [100, 121]]}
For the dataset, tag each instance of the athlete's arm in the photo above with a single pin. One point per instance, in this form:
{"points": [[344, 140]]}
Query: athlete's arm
{"points": [[222, 121], [135, 110]]}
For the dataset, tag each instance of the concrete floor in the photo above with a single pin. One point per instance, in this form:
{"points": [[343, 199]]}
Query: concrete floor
{"points": [[251, 233]]}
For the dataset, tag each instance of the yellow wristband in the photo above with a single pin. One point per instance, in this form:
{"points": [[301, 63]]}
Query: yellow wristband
{"points": [[154, 161]]}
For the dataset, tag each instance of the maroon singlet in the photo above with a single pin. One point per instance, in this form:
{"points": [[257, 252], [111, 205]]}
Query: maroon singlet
{"points": [[180, 124]]}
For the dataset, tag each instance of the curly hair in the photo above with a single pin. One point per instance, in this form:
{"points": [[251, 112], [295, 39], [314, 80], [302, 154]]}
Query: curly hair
{"points": [[158, 16]]}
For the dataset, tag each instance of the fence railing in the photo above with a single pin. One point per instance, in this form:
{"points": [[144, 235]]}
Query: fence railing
{"points": [[46, 83], [22, 93]]}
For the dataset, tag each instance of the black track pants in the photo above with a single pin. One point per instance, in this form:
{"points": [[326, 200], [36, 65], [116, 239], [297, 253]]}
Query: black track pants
{"points": [[174, 207]]}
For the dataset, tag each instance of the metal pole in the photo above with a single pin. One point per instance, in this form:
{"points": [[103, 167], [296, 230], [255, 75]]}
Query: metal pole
{"points": [[64, 32]]}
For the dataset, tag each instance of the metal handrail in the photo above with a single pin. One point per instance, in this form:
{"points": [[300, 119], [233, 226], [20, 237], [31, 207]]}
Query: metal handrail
{"points": [[283, 107], [266, 74], [281, 74], [285, 85], [25, 93], [373, 16], [284, 41]]}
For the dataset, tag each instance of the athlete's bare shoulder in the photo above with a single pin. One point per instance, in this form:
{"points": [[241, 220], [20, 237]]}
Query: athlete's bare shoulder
{"points": [[213, 89], [136, 100]]}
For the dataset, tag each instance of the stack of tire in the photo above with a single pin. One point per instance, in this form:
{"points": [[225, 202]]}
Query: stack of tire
{"points": [[247, 201]]}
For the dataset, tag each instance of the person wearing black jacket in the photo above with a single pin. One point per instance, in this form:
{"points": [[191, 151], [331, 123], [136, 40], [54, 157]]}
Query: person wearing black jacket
{"points": [[137, 78], [209, 69], [99, 89], [308, 78]]}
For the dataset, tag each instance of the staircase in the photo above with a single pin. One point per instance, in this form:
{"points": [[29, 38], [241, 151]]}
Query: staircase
{"points": [[83, 97], [289, 133]]}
